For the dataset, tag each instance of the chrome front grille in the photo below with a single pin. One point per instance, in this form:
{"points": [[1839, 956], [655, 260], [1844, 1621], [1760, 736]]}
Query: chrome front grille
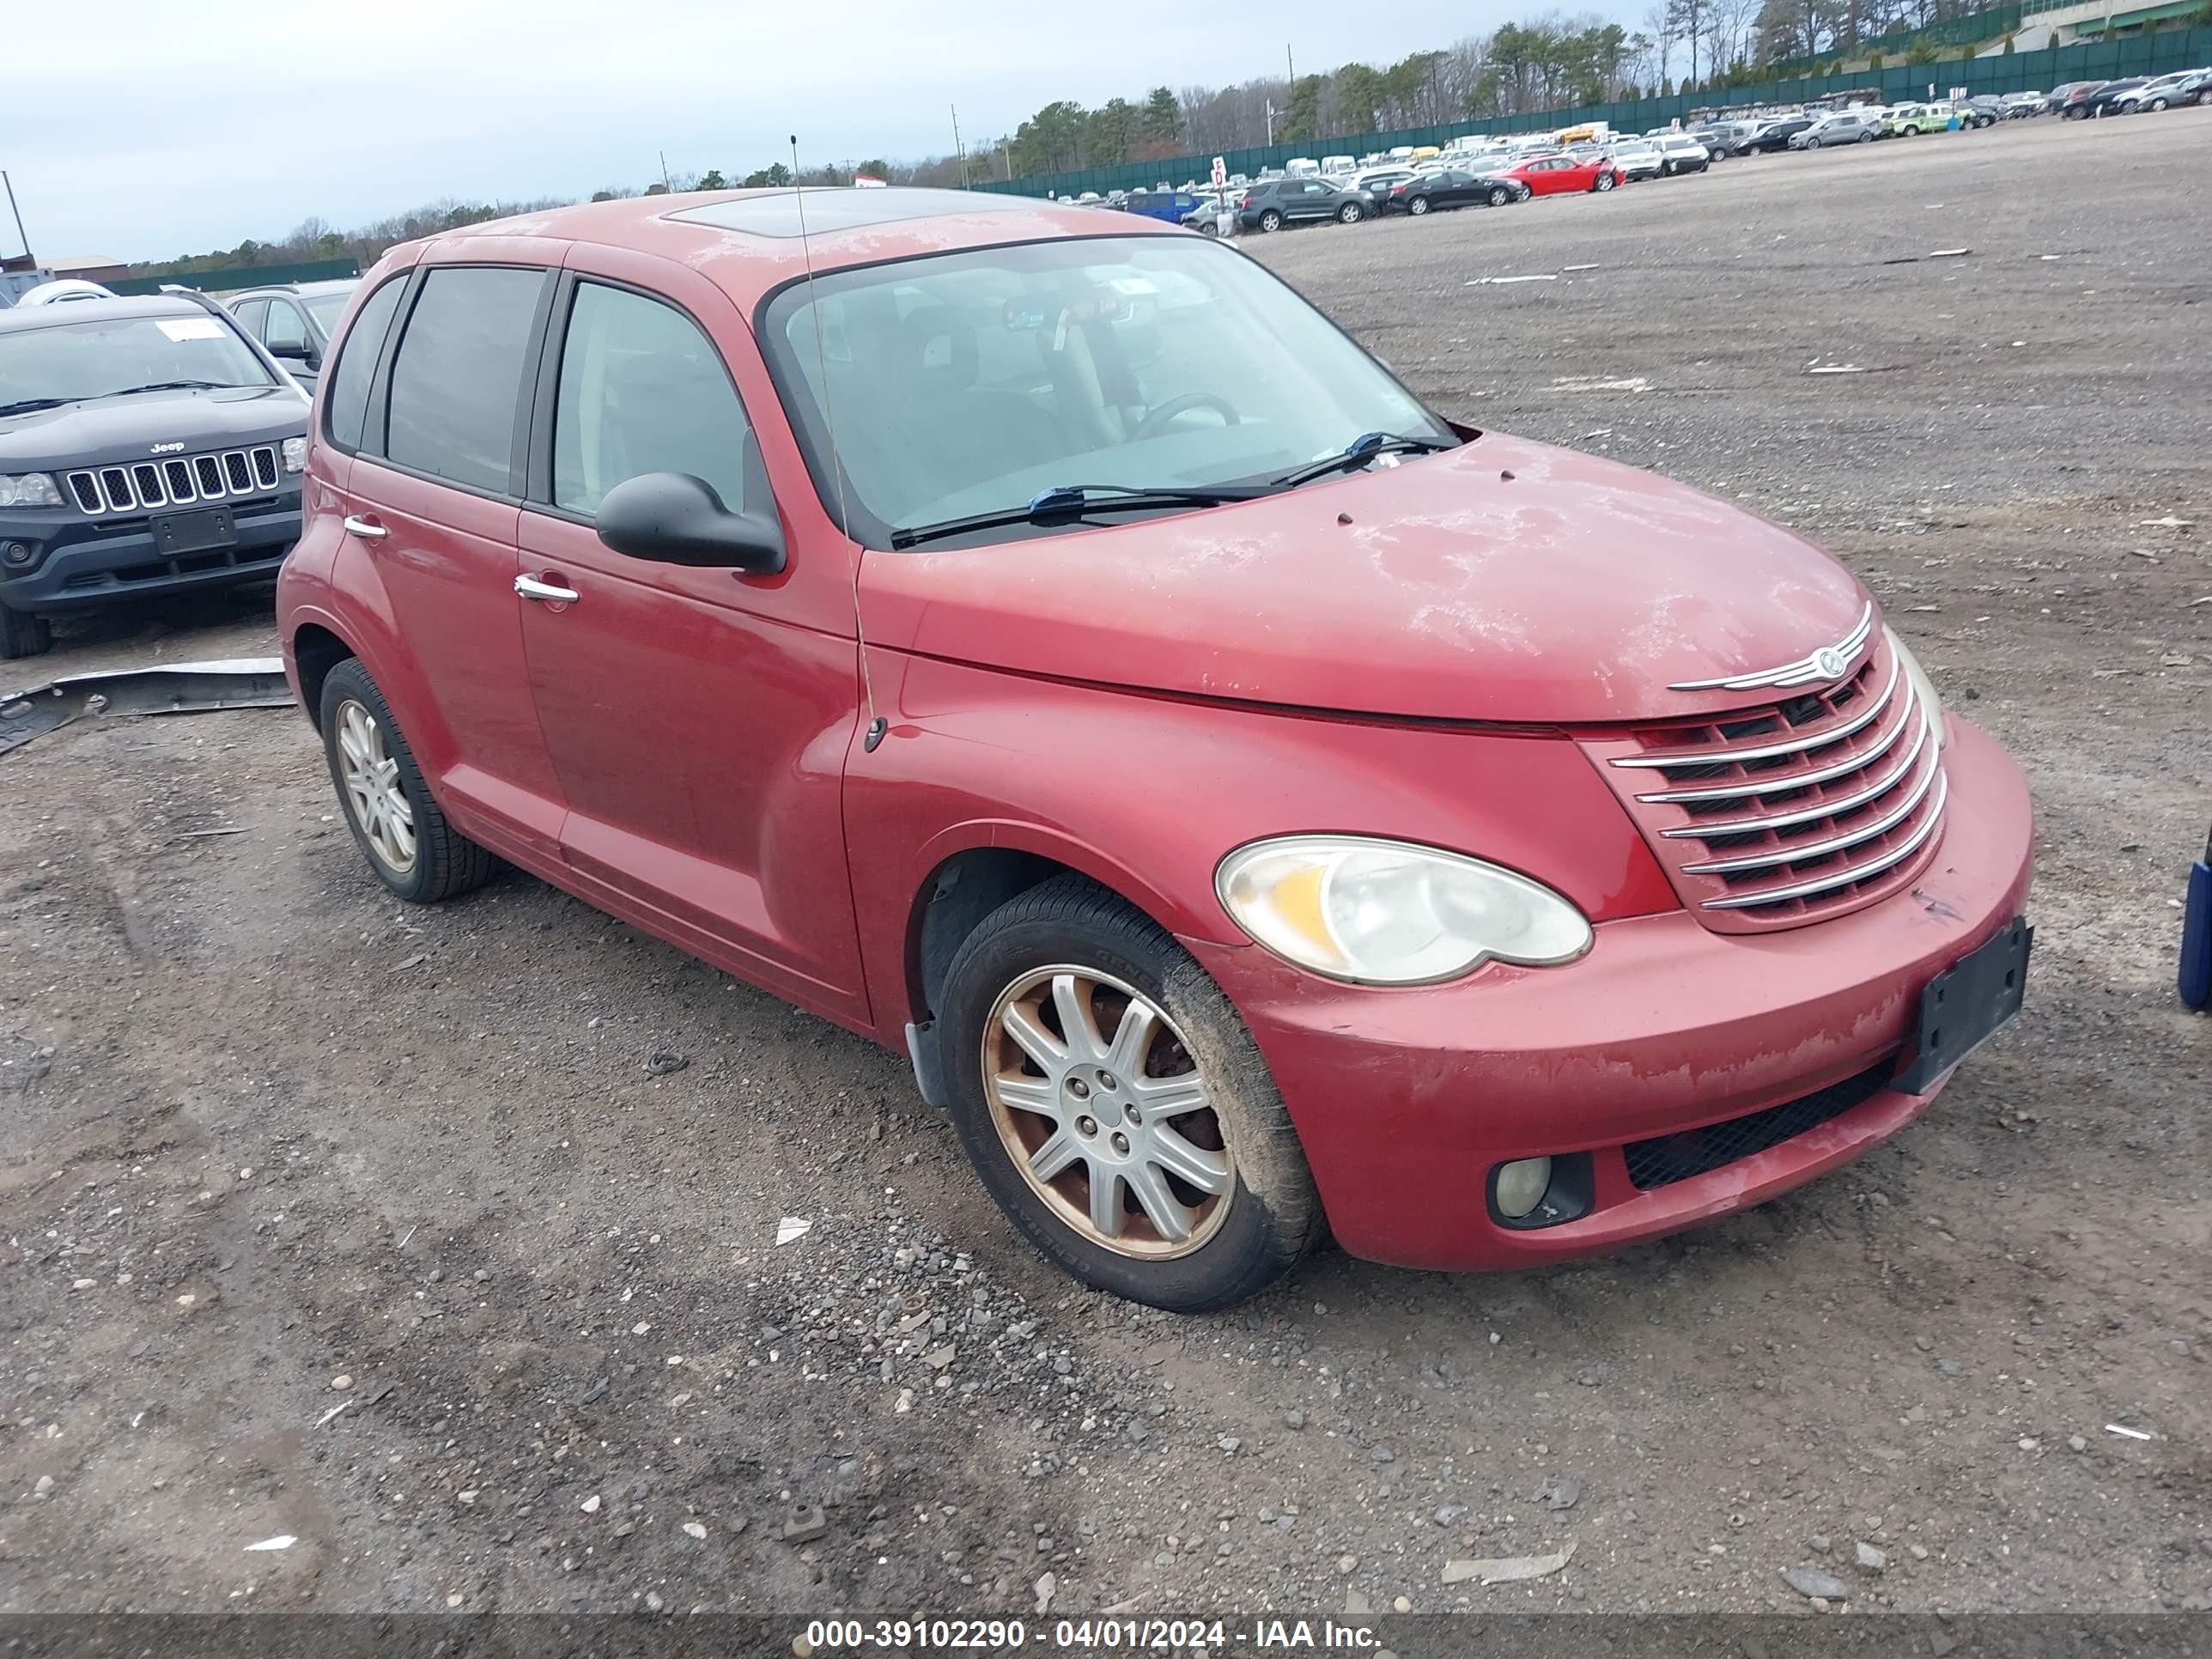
{"points": [[1795, 811], [149, 486]]}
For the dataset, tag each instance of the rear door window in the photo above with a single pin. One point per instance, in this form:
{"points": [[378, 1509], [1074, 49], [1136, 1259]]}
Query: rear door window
{"points": [[250, 315], [457, 380], [642, 389], [345, 404]]}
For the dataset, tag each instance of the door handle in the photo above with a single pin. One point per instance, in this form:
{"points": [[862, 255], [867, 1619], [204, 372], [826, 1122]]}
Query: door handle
{"points": [[367, 529], [531, 588]]}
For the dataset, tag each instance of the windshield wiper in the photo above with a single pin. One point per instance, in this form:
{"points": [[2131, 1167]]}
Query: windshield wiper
{"points": [[24, 405], [1359, 453], [1074, 502], [182, 385]]}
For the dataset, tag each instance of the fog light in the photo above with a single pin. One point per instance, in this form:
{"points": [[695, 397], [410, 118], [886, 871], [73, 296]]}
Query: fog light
{"points": [[1519, 1187], [296, 454], [16, 552]]}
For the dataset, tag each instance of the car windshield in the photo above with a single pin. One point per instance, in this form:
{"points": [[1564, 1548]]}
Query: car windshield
{"points": [[970, 383], [327, 308], [68, 362]]}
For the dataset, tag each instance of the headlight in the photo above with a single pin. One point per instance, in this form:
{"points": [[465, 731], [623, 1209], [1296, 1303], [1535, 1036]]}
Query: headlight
{"points": [[1385, 912], [28, 490], [1922, 687], [296, 454]]}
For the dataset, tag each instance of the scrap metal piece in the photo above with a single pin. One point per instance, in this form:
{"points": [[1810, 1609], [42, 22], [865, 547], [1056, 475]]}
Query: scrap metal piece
{"points": [[182, 687]]}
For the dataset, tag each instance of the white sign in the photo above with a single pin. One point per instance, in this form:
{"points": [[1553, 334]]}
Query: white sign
{"points": [[189, 328], [1221, 173]]}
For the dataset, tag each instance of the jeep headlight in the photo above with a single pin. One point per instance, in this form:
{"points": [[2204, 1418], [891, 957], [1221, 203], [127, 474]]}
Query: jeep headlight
{"points": [[1388, 912], [28, 490], [296, 454], [1924, 688]]}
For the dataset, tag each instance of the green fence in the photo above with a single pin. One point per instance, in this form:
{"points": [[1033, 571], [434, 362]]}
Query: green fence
{"points": [[222, 282], [2140, 54]]}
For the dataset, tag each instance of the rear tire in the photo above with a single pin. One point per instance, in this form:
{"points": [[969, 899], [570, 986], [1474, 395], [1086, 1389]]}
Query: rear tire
{"points": [[1603, 182], [1350, 214], [1271, 220], [431, 861], [1070, 933], [23, 634], [1418, 206]]}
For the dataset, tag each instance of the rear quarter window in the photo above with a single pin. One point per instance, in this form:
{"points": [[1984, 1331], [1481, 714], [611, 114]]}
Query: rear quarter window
{"points": [[345, 406]]}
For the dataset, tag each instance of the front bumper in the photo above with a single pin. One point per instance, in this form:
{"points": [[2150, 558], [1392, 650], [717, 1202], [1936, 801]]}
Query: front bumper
{"points": [[1405, 1100], [81, 562]]}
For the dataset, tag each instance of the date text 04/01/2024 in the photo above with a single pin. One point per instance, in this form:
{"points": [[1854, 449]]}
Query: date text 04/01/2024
{"points": [[1109, 1635]]}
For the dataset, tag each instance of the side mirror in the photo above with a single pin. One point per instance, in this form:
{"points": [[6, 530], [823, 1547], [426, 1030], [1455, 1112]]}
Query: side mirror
{"points": [[296, 351], [672, 518]]}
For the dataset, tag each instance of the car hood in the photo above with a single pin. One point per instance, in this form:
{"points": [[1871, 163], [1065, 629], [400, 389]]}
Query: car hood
{"points": [[1503, 580], [115, 430]]}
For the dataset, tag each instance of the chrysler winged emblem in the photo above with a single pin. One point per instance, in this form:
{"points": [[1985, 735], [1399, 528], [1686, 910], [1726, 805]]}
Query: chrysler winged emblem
{"points": [[1825, 666]]}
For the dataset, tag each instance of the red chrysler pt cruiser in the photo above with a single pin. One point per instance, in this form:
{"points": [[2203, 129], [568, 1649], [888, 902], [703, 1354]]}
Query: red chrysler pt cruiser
{"points": [[1040, 641]]}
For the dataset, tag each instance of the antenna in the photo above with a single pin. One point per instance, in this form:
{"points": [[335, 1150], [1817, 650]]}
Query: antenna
{"points": [[876, 725]]}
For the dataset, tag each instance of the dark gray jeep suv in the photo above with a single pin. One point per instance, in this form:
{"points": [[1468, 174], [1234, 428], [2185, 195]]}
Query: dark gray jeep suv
{"points": [[146, 447]]}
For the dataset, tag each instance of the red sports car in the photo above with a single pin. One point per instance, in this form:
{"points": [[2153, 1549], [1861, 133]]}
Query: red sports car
{"points": [[1555, 175]]}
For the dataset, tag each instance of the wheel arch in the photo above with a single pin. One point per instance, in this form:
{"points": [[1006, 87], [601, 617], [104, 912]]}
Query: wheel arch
{"points": [[316, 650], [974, 869]]}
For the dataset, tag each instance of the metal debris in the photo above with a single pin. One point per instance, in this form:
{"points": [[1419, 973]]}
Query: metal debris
{"points": [[1508, 1569], [282, 1541], [184, 688], [792, 1227], [2132, 1434]]}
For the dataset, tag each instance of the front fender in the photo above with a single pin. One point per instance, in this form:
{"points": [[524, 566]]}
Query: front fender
{"points": [[1146, 795]]}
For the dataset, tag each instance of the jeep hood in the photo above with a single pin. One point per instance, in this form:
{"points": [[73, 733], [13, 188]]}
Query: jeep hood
{"points": [[1503, 580], [107, 430]]}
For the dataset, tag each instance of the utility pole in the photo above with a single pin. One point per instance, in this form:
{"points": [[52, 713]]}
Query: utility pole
{"points": [[958, 146], [665, 184], [1271, 122], [17, 213]]}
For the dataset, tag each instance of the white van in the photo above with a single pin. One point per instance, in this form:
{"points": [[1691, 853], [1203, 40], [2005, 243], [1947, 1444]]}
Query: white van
{"points": [[1302, 166]]}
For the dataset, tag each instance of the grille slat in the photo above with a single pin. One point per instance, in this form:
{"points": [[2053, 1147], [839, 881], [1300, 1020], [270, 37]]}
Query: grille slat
{"points": [[1803, 808], [146, 486]]}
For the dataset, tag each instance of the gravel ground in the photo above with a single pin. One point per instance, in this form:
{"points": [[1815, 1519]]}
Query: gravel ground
{"points": [[278, 1149]]}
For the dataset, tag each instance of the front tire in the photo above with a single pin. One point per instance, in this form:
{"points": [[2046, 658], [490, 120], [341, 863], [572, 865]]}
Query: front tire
{"points": [[1115, 1106], [396, 822], [1500, 197], [22, 633]]}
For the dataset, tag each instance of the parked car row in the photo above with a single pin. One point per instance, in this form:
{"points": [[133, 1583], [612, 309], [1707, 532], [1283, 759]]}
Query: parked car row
{"points": [[1498, 172]]}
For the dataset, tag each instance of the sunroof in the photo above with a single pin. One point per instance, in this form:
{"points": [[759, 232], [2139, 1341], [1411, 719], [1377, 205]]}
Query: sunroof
{"points": [[843, 210]]}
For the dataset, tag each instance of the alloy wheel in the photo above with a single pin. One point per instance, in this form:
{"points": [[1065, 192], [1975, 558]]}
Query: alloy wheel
{"points": [[373, 792], [1100, 1105]]}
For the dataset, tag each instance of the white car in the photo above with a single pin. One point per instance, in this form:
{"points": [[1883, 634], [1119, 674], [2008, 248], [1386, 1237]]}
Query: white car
{"points": [[1680, 153], [1639, 158]]}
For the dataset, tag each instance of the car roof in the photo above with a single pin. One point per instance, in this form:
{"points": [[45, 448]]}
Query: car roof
{"points": [[20, 318], [747, 241]]}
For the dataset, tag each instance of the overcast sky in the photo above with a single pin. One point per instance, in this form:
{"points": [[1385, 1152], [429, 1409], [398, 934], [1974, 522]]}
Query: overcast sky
{"points": [[144, 130]]}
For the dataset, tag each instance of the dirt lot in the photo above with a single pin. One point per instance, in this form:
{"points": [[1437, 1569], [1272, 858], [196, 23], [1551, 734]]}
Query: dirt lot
{"points": [[276, 1147]]}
